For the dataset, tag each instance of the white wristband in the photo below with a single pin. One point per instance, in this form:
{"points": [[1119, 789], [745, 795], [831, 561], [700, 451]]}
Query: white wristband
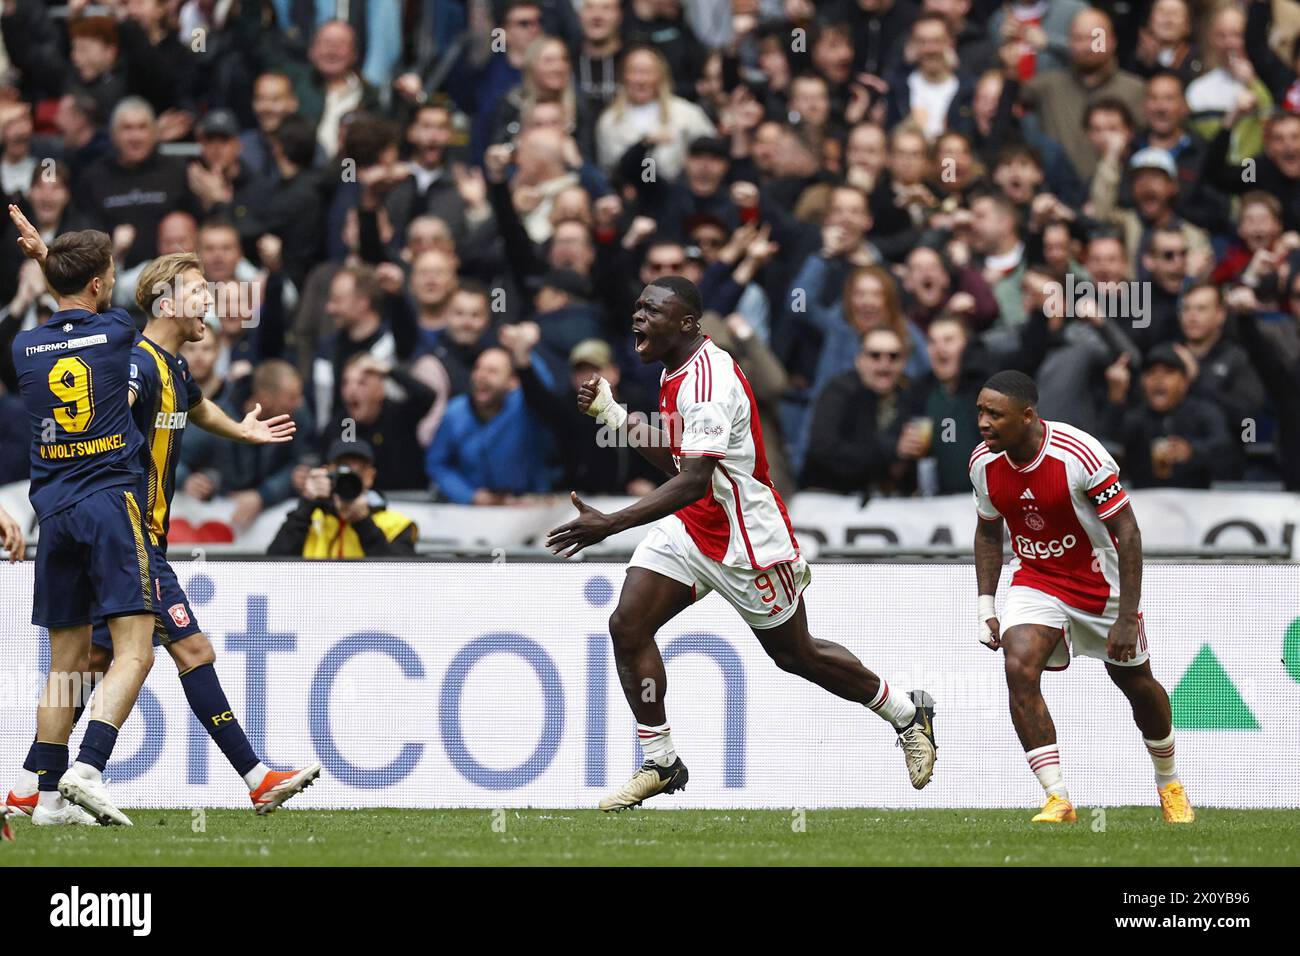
{"points": [[605, 410], [988, 608], [614, 416]]}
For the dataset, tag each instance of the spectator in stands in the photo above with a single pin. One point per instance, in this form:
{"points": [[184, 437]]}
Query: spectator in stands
{"points": [[939, 410], [1166, 260], [602, 42], [1279, 369], [136, 187], [1170, 439], [990, 239], [383, 405], [1059, 98], [489, 449], [273, 101], [465, 334], [854, 435], [84, 140], [334, 87], [934, 91], [253, 477], [288, 208], [371, 316], [646, 113], [178, 232], [341, 515], [592, 462], [220, 178], [1155, 201], [201, 357], [430, 190], [933, 287], [1219, 368], [17, 159]]}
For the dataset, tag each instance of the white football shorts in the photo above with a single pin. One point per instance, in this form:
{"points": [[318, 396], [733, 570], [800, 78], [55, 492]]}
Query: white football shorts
{"points": [[764, 598], [1085, 634]]}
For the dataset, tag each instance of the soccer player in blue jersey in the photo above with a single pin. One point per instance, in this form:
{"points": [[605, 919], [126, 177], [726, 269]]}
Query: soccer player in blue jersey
{"points": [[174, 293], [86, 478]]}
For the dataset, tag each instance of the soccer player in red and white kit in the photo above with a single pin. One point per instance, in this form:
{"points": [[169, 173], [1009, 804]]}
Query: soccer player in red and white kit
{"points": [[720, 526], [1077, 579]]}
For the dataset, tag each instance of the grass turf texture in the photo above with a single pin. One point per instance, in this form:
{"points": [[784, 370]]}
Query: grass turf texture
{"points": [[1133, 836]]}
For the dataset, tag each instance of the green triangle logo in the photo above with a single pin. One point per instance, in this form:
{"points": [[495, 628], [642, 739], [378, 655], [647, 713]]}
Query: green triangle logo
{"points": [[1206, 699], [1291, 650]]}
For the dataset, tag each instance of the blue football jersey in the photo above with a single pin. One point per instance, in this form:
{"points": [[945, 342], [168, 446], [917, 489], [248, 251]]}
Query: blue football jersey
{"points": [[72, 377]]}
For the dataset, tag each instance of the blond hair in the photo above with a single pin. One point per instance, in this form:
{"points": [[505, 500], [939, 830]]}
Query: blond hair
{"points": [[160, 278]]}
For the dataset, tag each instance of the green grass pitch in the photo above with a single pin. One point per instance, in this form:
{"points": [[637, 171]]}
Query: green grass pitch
{"points": [[1126, 836]]}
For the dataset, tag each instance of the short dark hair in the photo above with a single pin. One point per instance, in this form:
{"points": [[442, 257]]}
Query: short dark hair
{"points": [[366, 137], [1109, 104], [297, 139], [77, 257], [1018, 150], [684, 291], [1015, 385]]}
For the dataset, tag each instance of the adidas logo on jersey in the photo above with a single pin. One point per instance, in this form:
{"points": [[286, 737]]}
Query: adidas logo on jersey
{"points": [[1026, 494]]}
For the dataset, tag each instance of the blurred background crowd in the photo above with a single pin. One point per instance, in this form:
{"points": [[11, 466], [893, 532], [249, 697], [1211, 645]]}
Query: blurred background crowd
{"points": [[426, 222]]}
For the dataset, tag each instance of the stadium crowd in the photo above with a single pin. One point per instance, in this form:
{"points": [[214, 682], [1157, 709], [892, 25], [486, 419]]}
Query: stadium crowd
{"points": [[426, 224]]}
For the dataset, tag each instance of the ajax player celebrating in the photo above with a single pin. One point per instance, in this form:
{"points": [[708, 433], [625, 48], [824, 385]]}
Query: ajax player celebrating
{"points": [[1077, 579], [721, 527]]}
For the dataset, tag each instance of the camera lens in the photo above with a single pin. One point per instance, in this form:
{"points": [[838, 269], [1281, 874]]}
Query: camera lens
{"points": [[347, 484]]}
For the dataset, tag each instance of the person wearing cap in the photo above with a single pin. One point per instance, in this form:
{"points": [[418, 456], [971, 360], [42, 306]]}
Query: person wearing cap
{"points": [[219, 175], [1155, 201], [589, 468], [340, 515], [1170, 439]]}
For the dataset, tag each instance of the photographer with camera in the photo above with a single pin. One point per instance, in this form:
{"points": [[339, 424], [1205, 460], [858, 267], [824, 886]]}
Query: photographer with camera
{"points": [[340, 514]]}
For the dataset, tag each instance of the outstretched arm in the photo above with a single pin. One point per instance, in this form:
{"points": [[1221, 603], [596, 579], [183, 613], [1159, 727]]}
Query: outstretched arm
{"points": [[1123, 638], [592, 527], [253, 430]]}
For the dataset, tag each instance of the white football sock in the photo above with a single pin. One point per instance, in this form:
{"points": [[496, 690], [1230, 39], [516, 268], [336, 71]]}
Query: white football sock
{"points": [[898, 709], [255, 776], [26, 783], [657, 742], [1045, 762], [51, 800], [1162, 756], [85, 770]]}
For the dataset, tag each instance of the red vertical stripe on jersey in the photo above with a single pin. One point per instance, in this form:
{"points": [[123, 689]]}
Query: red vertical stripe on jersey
{"points": [[760, 454]]}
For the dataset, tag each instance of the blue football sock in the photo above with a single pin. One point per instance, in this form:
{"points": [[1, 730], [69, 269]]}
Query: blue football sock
{"points": [[48, 761], [97, 744], [32, 763], [208, 701]]}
